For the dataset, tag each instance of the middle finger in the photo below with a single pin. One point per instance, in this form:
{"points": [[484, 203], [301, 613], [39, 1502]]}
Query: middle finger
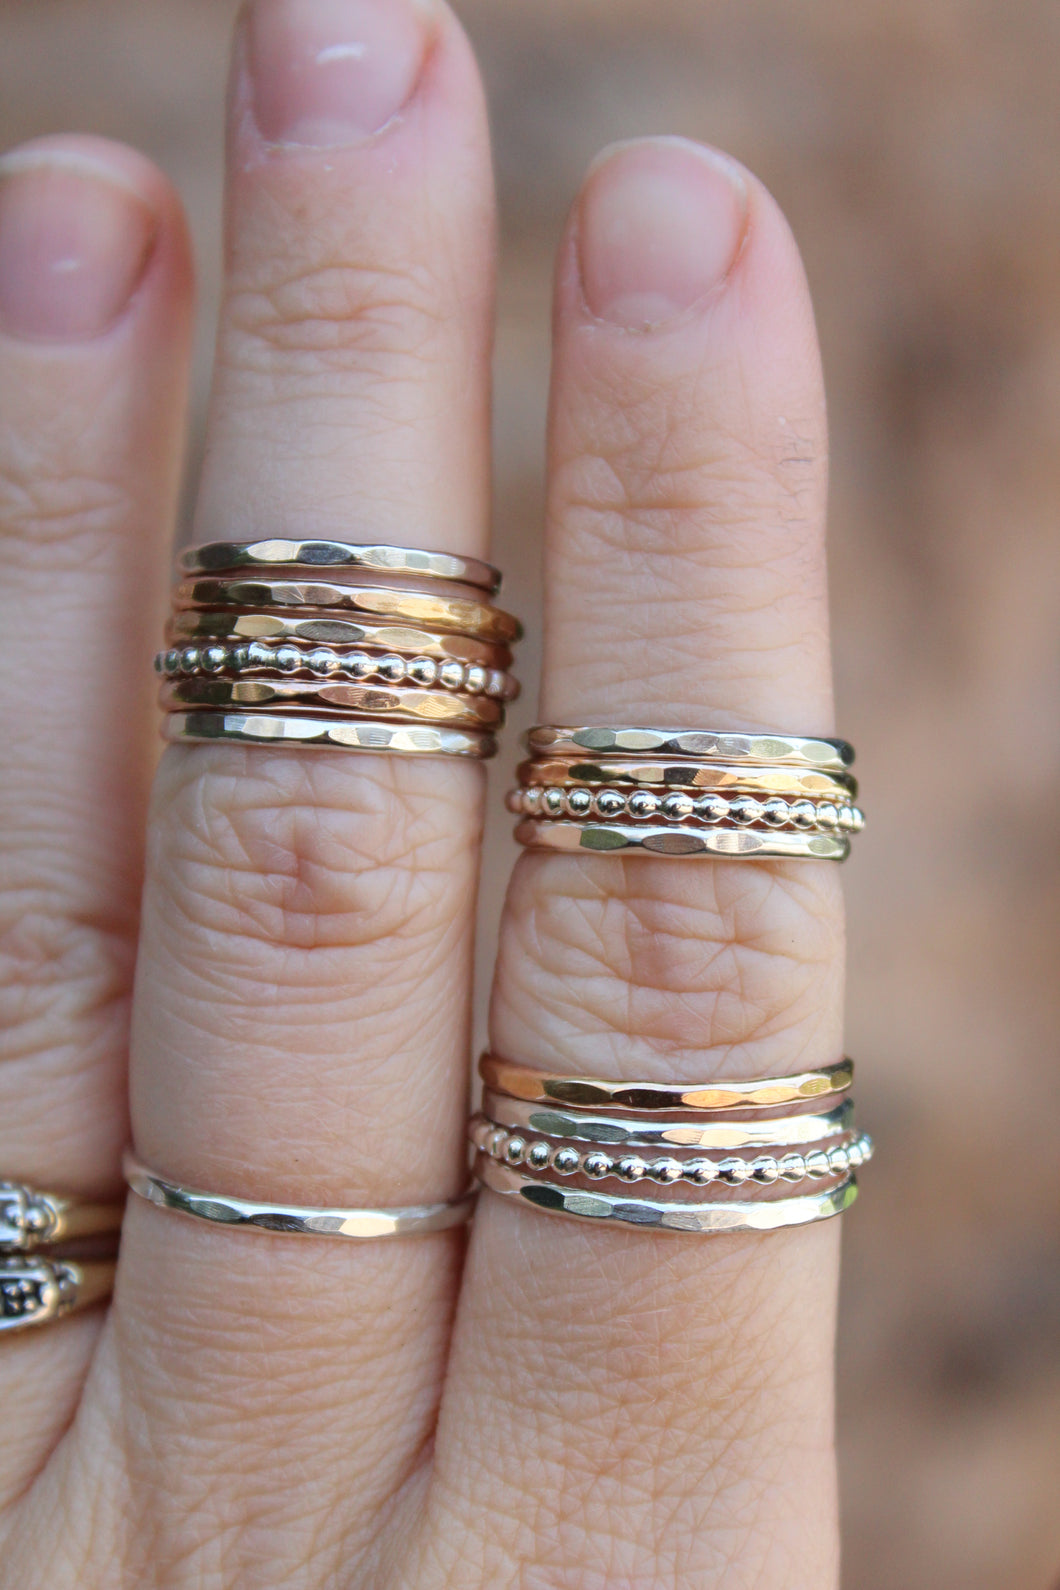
{"points": [[301, 1021]]}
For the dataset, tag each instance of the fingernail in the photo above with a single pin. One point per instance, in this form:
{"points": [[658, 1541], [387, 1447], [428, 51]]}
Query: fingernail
{"points": [[660, 224], [73, 246], [332, 72]]}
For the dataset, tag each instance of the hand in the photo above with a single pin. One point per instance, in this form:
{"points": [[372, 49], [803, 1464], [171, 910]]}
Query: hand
{"points": [[570, 1407]]}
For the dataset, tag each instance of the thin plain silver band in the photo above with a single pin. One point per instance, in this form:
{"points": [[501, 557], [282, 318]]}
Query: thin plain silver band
{"points": [[655, 1215], [362, 1225], [217, 557]]}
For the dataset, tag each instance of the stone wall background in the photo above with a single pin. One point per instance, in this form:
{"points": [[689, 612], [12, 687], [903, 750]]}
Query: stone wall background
{"points": [[916, 149]]}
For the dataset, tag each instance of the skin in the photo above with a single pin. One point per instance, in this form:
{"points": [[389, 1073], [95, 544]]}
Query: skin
{"points": [[542, 1407]]}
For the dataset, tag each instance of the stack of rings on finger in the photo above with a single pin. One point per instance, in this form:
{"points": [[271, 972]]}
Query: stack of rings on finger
{"points": [[337, 644], [686, 793], [41, 1280], [576, 1146]]}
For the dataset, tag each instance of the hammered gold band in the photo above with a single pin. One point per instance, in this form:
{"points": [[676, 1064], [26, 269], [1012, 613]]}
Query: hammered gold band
{"points": [[544, 1087]]}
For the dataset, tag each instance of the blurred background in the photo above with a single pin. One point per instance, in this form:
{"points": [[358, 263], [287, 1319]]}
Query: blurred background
{"points": [[916, 150]]}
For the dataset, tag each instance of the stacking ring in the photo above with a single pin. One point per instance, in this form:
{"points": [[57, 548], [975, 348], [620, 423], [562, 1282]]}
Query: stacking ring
{"points": [[218, 555], [695, 792], [325, 734], [655, 1215], [339, 645], [545, 1087], [788, 750], [294, 1219]]}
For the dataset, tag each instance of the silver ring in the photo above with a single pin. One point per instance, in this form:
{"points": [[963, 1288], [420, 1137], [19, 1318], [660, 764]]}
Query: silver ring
{"points": [[214, 557], [31, 1218], [39, 1291], [738, 844], [317, 732], [361, 1225], [649, 1214], [585, 1126]]}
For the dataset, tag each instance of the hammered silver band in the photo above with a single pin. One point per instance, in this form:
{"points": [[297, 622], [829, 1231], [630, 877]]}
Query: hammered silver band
{"points": [[650, 1215], [360, 1225]]}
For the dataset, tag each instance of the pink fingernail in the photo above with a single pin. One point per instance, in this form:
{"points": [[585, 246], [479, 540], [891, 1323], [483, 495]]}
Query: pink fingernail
{"points": [[332, 72], [73, 246], [660, 224]]}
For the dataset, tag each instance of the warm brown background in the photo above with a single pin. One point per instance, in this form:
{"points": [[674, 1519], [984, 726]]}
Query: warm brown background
{"points": [[916, 148]]}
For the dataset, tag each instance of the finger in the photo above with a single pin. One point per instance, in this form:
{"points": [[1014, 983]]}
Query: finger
{"points": [[672, 1397], [94, 301], [301, 1022]]}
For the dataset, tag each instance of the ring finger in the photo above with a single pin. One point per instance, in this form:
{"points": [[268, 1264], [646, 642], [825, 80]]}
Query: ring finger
{"points": [[628, 1408]]}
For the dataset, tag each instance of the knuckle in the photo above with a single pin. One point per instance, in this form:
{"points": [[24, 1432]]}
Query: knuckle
{"points": [[47, 504], [272, 853], [744, 960], [334, 313], [60, 972]]}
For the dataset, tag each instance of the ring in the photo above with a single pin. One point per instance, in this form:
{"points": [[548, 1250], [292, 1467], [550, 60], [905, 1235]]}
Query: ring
{"points": [[376, 602], [476, 676], [738, 844], [828, 756], [554, 1121], [197, 728], [32, 1219], [657, 1215], [545, 1087], [798, 782], [741, 796], [431, 706], [39, 1291], [215, 556], [535, 1126], [362, 1225], [260, 650], [511, 1148]]}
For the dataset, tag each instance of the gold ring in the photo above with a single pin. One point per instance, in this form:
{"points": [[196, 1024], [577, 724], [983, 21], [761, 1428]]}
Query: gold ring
{"points": [[764, 1093], [430, 706], [378, 603], [798, 782]]}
